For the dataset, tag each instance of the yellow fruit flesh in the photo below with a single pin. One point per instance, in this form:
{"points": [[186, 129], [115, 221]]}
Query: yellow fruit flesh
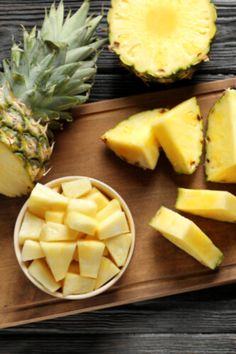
{"points": [[106, 272], [31, 228], [84, 206], [114, 225], [75, 284], [90, 256], [221, 140], [99, 198], [111, 208], [40, 271], [54, 216], [183, 233], [31, 250], [180, 133], [217, 205], [80, 222], [119, 247], [52, 232], [76, 188]]}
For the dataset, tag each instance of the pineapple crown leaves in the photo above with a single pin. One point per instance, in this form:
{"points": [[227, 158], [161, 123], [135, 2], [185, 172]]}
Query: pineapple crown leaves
{"points": [[53, 70]]}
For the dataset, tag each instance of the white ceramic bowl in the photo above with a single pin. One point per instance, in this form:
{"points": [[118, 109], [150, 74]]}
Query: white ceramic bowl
{"points": [[111, 193]]}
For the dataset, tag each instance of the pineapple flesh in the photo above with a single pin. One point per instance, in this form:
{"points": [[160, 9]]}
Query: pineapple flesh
{"points": [[47, 75], [134, 141], [180, 134], [221, 140], [159, 39]]}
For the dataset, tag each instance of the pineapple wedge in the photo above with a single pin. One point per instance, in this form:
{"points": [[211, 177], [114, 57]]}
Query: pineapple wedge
{"points": [[218, 205], [43, 199], [40, 271], [58, 257], [183, 233], [31, 228], [99, 198], [115, 224], [75, 284], [81, 222], [180, 133], [31, 250], [52, 232], [54, 216], [111, 208], [84, 206], [133, 139], [107, 271], [118, 247], [90, 256], [221, 140], [76, 188]]}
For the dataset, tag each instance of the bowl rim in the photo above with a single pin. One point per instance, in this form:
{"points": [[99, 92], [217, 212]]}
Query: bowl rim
{"points": [[111, 193]]}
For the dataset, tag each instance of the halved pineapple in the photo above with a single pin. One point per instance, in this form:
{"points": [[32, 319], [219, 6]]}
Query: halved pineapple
{"points": [[76, 284], [31, 250], [221, 140], [31, 228], [76, 188], [159, 39], [107, 271], [115, 224], [133, 139], [118, 247], [52, 232], [90, 256], [211, 204], [39, 270], [186, 235], [80, 222], [180, 133]]}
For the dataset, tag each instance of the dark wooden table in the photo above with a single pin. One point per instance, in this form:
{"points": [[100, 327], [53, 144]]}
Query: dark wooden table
{"points": [[201, 322]]}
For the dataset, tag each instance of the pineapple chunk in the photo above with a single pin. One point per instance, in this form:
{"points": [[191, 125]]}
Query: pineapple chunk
{"points": [[180, 133], [211, 204], [84, 206], [221, 140], [107, 271], [133, 139], [31, 250], [111, 208], [75, 284], [31, 228], [43, 198], [114, 225], [118, 247], [57, 232], [186, 235], [98, 197], [90, 255], [76, 188], [74, 267], [58, 257], [40, 271], [81, 222], [54, 216]]}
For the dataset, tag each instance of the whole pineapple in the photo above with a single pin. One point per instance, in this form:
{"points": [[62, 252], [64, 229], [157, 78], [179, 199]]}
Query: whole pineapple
{"points": [[48, 75]]}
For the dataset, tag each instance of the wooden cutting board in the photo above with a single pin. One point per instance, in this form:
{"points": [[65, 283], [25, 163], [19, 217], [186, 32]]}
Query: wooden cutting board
{"points": [[158, 268]]}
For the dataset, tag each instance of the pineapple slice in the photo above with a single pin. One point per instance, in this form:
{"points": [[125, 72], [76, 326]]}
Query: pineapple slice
{"points": [[54, 216], [75, 284], [90, 255], [84, 206], [31, 228], [114, 225], [183, 233], [221, 140], [31, 250], [40, 271], [43, 199], [52, 232], [74, 267], [81, 222], [98, 197], [118, 247], [180, 133], [133, 139], [76, 188], [58, 257], [107, 271], [211, 204], [111, 208]]}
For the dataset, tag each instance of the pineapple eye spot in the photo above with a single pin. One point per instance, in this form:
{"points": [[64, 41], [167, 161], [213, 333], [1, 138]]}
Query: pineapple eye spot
{"points": [[157, 23]]}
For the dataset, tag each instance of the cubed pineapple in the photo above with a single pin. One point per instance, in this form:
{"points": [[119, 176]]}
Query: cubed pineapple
{"points": [[111, 208], [107, 271], [31, 228], [84, 206], [43, 198], [58, 257], [186, 235], [114, 225], [39, 270], [98, 197], [52, 232], [54, 216], [118, 247], [31, 250], [81, 222], [75, 284], [76, 188], [90, 255], [74, 267]]}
